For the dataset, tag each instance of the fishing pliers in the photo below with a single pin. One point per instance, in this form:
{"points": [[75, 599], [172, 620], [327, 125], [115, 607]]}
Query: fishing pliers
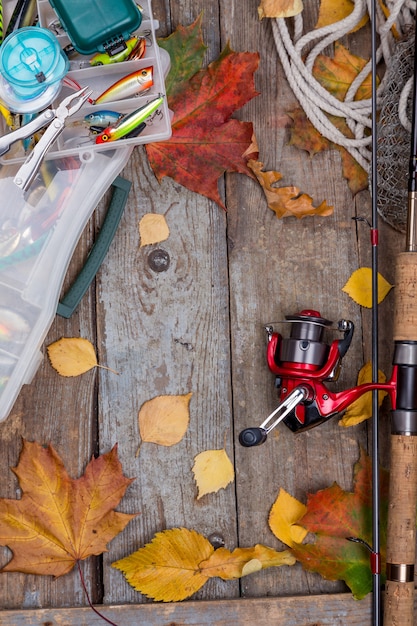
{"points": [[54, 120]]}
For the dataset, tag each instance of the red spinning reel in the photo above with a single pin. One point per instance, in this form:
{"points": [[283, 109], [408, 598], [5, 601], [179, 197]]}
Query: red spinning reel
{"points": [[302, 364]]}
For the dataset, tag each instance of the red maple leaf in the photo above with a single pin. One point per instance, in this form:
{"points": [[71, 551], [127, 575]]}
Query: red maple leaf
{"points": [[335, 516], [205, 142]]}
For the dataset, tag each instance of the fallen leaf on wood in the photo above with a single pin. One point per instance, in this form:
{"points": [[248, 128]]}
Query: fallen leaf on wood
{"points": [[361, 409], [186, 49], [167, 569], [164, 420], [244, 561], [283, 517], [286, 201], [205, 141], [359, 287], [337, 73], [279, 8], [213, 470], [332, 11], [334, 515], [72, 356], [178, 562], [153, 228], [59, 520]]}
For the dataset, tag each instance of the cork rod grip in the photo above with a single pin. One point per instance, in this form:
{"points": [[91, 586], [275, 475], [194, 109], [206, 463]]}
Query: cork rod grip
{"points": [[401, 531]]}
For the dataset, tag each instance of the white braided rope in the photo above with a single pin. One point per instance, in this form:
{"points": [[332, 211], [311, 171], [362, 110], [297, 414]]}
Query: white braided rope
{"points": [[316, 101]]}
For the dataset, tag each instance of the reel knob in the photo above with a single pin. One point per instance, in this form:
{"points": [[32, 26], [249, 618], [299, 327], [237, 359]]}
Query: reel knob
{"points": [[252, 437]]}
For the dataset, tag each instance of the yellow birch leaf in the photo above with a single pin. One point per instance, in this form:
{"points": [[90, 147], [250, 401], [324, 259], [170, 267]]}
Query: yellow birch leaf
{"points": [[164, 420], [243, 561], [72, 356], [361, 409], [167, 569], [359, 287], [153, 229], [212, 470], [331, 12], [279, 8], [286, 201], [284, 514]]}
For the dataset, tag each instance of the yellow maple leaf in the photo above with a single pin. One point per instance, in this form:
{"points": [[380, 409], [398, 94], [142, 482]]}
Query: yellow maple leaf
{"points": [[283, 517], [279, 8], [337, 73], [164, 420], [244, 561], [168, 568], [153, 228], [286, 201], [359, 287], [72, 356], [361, 409], [212, 470], [331, 12]]}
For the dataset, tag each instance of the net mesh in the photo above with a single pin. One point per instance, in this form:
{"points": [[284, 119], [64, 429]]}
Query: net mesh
{"points": [[393, 140]]}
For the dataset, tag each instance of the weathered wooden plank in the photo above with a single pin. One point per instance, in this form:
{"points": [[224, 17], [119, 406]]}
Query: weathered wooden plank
{"points": [[278, 268], [331, 610]]}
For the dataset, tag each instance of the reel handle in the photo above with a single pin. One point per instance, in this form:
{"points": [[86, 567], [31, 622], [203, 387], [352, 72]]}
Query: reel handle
{"points": [[252, 437]]}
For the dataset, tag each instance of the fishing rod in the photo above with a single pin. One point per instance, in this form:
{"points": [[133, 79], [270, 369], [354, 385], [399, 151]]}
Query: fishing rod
{"points": [[401, 531]]}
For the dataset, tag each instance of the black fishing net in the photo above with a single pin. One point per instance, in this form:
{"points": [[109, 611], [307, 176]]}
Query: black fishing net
{"points": [[393, 140]]}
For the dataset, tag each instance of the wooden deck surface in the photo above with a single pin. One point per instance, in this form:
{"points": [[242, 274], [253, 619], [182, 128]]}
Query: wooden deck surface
{"points": [[198, 327]]}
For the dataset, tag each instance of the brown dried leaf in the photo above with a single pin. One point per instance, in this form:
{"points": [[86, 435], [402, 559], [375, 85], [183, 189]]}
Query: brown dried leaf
{"points": [[164, 420], [286, 201]]}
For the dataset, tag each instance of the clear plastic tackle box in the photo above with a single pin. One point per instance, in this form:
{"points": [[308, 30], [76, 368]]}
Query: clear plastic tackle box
{"points": [[39, 228]]}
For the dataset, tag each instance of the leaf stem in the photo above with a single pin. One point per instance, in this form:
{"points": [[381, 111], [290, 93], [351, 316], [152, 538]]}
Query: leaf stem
{"points": [[84, 586]]}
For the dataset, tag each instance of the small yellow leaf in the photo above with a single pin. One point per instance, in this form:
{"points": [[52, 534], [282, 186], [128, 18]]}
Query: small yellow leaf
{"points": [[284, 514], [213, 470], [359, 287], [361, 408], [72, 356], [167, 569], [286, 201], [153, 229], [331, 12], [279, 8], [164, 420], [243, 561]]}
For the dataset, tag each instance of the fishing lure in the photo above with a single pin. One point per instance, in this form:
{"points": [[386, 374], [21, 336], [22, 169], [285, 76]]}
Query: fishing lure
{"points": [[129, 123], [106, 59], [102, 119], [128, 86]]}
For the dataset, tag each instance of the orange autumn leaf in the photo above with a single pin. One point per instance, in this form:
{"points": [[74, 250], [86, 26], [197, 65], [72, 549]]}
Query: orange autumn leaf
{"points": [[164, 420], [361, 409], [60, 520], [286, 201], [337, 73], [279, 8]]}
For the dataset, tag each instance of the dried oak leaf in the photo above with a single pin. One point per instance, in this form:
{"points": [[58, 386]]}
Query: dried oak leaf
{"points": [[164, 420], [205, 141], [153, 228], [359, 287], [167, 569], [361, 409], [283, 517], [213, 470], [243, 561], [72, 356], [59, 520], [334, 515], [286, 201], [279, 8]]}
